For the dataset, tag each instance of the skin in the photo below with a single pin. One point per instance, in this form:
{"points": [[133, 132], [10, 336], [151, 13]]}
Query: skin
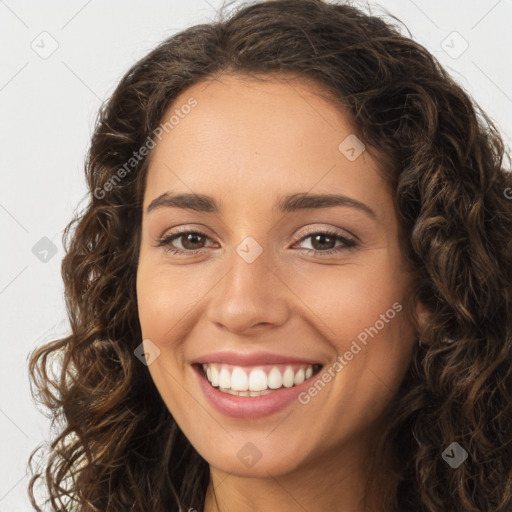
{"points": [[246, 144]]}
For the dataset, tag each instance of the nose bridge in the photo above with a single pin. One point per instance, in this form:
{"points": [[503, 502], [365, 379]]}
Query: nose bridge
{"points": [[250, 275], [250, 292]]}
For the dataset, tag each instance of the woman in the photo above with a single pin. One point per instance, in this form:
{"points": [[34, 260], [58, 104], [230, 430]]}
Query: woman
{"points": [[222, 358]]}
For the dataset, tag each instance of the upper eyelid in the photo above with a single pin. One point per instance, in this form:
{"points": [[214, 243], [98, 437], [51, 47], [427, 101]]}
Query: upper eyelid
{"points": [[336, 231], [309, 229]]}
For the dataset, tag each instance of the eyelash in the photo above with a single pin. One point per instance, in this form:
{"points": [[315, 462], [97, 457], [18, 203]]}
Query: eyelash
{"points": [[348, 242]]}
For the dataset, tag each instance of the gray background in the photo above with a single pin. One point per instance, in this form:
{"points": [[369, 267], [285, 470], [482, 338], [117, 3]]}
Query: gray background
{"points": [[48, 105]]}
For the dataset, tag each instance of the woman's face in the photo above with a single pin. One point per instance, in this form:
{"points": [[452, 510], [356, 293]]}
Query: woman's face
{"points": [[266, 297]]}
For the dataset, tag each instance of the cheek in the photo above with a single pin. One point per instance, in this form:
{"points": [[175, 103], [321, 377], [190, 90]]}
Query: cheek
{"points": [[165, 295], [163, 299], [343, 301], [359, 309]]}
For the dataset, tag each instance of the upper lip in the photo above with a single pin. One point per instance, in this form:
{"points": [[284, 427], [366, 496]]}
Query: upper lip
{"points": [[252, 359]]}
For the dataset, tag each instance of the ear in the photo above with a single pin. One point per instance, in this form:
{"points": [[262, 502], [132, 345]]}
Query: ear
{"points": [[422, 313]]}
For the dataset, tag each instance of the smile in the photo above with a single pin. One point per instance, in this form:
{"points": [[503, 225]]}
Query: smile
{"points": [[258, 380], [253, 385]]}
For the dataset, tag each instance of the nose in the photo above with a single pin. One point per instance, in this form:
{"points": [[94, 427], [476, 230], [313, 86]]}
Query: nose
{"points": [[249, 296]]}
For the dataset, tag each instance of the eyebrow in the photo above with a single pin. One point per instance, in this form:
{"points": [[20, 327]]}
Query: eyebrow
{"points": [[286, 204]]}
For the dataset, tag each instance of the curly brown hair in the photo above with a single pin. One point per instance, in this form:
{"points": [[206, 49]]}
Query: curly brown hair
{"points": [[117, 447]]}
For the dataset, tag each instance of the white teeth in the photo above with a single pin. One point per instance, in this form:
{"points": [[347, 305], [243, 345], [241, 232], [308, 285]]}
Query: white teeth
{"points": [[239, 380], [257, 380], [215, 376], [275, 379], [299, 377], [236, 381], [224, 378], [288, 377]]}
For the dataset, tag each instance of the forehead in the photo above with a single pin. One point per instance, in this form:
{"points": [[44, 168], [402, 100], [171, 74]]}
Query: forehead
{"points": [[260, 137]]}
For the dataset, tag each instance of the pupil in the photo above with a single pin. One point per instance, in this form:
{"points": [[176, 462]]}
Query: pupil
{"points": [[188, 239], [319, 237]]}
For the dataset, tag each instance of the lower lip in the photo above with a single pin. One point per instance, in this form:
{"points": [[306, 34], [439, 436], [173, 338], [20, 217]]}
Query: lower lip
{"points": [[250, 407]]}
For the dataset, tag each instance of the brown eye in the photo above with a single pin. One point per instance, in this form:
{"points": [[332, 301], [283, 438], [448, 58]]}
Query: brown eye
{"points": [[324, 242], [319, 242], [191, 242]]}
